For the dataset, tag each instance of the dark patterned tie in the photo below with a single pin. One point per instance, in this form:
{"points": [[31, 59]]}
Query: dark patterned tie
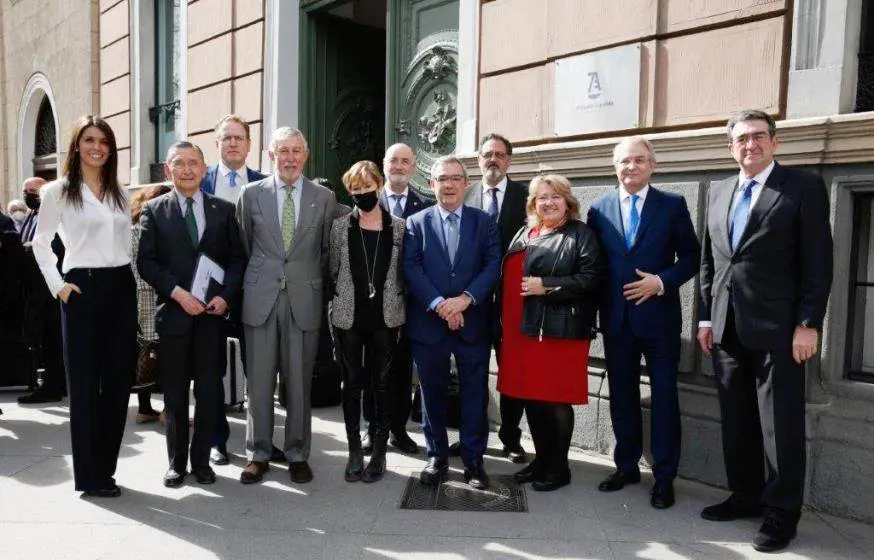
{"points": [[191, 222], [397, 210], [493, 203]]}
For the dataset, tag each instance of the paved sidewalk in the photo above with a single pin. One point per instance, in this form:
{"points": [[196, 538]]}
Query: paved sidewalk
{"points": [[41, 517]]}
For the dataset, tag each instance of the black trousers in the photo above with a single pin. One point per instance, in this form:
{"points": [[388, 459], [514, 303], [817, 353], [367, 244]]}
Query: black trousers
{"points": [[552, 426], [400, 389], [761, 399], [181, 360], [366, 357], [43, 324], [100, 351]]}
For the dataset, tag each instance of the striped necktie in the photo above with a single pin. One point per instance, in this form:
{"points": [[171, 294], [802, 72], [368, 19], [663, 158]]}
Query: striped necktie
{"points": [[288, 217]]}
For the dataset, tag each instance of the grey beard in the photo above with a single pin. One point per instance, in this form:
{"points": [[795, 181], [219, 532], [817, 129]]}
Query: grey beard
{"points": [[493, 176]]}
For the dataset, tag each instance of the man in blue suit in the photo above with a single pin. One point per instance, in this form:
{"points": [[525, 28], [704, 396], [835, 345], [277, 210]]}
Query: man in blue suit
{"points": [[452, 258], [226, 181], [651, 250]]}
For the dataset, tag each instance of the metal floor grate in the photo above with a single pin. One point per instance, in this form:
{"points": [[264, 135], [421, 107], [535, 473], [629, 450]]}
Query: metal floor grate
{"points": [[454, 495]]}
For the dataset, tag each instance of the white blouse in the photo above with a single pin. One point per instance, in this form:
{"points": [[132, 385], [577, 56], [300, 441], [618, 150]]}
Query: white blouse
{"points": [[97, 235]]}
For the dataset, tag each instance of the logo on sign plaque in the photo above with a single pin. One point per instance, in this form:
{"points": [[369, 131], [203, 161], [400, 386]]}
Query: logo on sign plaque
{"points": [[598, 91]]}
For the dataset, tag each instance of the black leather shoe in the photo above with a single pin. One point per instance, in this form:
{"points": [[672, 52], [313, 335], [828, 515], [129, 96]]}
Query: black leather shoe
{"points": [[108, 492], [218, 455], [404, 442], [435, 471], [39, 397], [455, 449], [276, 455], [300, 472], [528, 474], [515, 453], [354, 466], [367, 443], [173, 478], [548, 483], [731, 509], [204, 475], [773, 535], [662, 495], [475, 475], [618, 480]]}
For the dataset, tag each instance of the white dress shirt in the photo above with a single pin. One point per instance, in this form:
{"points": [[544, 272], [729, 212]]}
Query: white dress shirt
{"points": [[760, 180], [295, 195], [97, 235], [625, 210], [487, 196], [391, 201], [223, 187]]}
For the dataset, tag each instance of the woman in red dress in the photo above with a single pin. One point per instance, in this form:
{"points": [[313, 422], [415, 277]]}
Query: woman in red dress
{"points": [[551, 274]]}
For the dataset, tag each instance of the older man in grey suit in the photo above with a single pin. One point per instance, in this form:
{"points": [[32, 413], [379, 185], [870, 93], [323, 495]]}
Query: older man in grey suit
{"points": [[285, 222]]}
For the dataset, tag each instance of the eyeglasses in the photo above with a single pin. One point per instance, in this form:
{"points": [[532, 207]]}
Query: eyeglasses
{"points": [[229, 139], [756, 137], [496, 155], [449, 178], [629, 161]]}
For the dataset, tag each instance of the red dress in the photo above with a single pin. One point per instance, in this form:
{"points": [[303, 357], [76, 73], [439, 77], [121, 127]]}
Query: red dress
{"points": [[551, 369]]}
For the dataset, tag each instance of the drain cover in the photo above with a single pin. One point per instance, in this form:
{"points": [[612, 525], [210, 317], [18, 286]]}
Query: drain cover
{"points": [[453, 494]]}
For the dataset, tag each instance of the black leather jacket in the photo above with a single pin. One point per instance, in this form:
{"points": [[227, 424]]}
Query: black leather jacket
{"points": [[571, 266]]}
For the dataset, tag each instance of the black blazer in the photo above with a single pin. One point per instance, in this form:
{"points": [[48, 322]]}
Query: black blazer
{"points": [[780, 275], [166, 259], [512, 217], [414, 203]]}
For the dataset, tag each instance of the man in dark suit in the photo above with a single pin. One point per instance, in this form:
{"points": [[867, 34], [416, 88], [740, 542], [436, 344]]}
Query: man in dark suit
{"points": [[652, 250], [179, 229], [766, 271], [504, 200], [400, 200], [450, 289], [6, 223], [42, 312], [226, 180]]}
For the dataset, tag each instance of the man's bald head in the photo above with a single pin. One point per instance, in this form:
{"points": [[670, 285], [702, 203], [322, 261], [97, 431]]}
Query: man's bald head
{"points": [[398, 165], [32, 185]]}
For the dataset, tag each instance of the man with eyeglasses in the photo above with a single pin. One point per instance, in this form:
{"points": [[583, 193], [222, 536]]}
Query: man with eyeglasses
{"points": [[504, 200], [766, 271], [450, 288], [651, 248], [226, 180], [285, 222]]}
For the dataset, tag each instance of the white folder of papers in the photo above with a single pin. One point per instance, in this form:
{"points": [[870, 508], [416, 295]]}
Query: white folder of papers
{"points": [[206, 270]]}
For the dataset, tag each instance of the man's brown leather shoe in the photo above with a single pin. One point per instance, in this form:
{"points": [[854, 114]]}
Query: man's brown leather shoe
{"points": [[300, 472], [253, 472]]}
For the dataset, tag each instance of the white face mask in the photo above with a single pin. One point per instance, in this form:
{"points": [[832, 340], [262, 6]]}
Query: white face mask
{"points": [[19, 215]]}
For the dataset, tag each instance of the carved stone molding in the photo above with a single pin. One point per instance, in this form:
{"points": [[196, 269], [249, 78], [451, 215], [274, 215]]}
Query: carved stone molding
{"points": [[839, 139]]}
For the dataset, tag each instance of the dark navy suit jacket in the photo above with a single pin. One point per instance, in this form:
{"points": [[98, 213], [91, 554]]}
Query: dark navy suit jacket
{"points": [[666, 245], [207, 185], [429, 274]]}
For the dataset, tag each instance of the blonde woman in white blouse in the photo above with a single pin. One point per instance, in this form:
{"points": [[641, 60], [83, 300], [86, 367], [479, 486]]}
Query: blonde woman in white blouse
{"points": [[90, 212]]}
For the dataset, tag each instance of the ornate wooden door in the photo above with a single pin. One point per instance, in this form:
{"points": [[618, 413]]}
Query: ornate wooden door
{"points": [[423, 80]]}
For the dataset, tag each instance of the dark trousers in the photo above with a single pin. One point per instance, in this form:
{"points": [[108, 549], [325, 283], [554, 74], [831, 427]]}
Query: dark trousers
{"points": [[472, 361], [44, 330], [366, 357], [181, 360], [400, 388], [623, 351], [233, 329], [100, 351], [761, 399], [552, 426]]}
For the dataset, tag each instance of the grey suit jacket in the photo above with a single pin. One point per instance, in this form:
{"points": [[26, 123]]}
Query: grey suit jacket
{"points": [[302, 265], [393, 298], [512, 217]]}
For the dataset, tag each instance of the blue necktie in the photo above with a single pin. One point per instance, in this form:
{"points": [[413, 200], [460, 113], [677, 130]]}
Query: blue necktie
{"points": [[741, 214], [232, 179], [452, 238], [493, 203], [397, 210], [633, 222]]}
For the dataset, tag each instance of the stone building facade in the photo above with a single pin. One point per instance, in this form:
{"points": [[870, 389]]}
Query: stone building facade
{"points": [[564, 79]]}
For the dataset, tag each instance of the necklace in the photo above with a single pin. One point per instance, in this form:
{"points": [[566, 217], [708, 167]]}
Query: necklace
{"points": [[370, 269]]}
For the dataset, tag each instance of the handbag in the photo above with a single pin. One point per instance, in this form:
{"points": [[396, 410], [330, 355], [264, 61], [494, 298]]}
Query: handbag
{"points": [[147, 362]]}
